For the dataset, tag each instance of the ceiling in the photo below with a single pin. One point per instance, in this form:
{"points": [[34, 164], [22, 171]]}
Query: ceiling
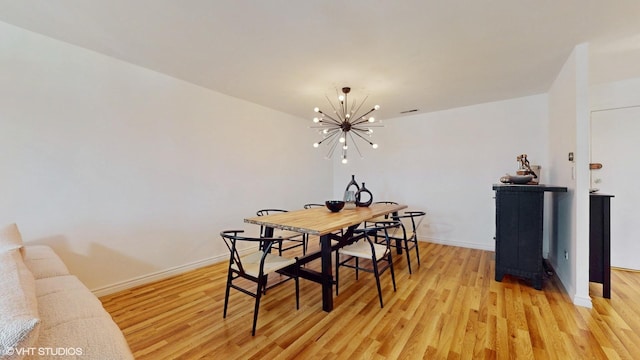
{"points": [[411, 54]]}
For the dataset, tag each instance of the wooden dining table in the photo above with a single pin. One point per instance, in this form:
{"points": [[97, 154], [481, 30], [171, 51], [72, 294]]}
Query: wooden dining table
{"points": [[319, 221]]}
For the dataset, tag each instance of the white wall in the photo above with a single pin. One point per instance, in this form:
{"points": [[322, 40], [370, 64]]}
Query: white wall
{"points": [[568, 132], [615, 131], [446, 163], [130, 174], [616, 94]]}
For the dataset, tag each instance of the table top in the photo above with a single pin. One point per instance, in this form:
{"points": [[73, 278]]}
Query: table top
{"points": [[321, 221]]}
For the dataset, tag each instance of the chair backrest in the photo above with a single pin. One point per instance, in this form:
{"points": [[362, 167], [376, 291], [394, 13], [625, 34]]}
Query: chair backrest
{"points": [[386, 216], [386, 202], [413, 217], [309, 206], [264, 212], [383, 228], [232, 238]]}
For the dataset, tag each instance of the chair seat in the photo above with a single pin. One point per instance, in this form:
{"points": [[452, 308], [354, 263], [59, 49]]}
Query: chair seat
{"points": [[378, 218], [362, 249], [399, 235], [251, 263]]}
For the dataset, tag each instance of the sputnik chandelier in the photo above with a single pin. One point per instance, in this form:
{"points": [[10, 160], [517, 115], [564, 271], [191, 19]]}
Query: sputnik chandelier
{"points": [[344, 126]]}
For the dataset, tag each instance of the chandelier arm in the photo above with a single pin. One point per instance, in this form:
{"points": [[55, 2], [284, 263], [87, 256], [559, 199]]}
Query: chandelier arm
{"points": [[332, 122], [325, 125], [360, 122], [335, 110], [361, 103], [353, 110], [361, 136], [360, 126], [331, 104], [332, 133], [356, 145], [344, 145], [362, 118], [329, 117], [333, 145]]}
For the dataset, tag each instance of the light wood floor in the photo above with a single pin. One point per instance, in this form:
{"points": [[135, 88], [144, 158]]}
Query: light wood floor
{"points": [[450, 308]]}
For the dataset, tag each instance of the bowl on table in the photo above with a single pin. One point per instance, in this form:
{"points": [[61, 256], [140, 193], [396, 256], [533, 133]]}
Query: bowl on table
{"points": [[334, 205]]}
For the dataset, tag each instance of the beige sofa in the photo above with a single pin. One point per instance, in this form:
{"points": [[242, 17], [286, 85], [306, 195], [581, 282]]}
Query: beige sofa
{"points": [[47, 313]]}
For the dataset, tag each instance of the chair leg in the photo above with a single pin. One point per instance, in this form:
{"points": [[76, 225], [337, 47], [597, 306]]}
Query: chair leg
{"points": [[264, 288], [393, 274], [417, 249], [226, 294], [297, 278], [377, 274], [261, 286], [406, 249], [337, 270]]}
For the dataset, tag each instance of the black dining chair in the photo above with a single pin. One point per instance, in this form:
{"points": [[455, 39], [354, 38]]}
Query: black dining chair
{"points": [[381, 217], [407, 233], [367, 248], [256, 267], [288, 239], [312, 205]]}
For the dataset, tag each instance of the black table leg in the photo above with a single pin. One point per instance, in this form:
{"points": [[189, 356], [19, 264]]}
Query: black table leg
{"points": [[327, 273], [398, 241]]}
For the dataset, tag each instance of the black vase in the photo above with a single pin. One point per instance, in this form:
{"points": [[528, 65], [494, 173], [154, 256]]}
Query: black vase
{"points": [[353, 183], [350, 193], [363, 190]]}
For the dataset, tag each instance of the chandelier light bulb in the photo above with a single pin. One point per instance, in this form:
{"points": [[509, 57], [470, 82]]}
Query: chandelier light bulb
{"points": [[325, 131], [316, 120], [315, 145], [369, 131], [375, 146], [376, 107], [341, 139], [372, 119], [341, 97], [344, 160], [345, 147], [316, 109]]}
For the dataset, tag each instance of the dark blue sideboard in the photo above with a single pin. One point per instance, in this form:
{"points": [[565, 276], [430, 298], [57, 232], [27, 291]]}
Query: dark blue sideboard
{"points": [[519, 230]]}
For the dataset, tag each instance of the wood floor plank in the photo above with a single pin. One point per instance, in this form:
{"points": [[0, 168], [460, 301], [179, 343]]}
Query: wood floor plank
{"points": [[449, 308]]}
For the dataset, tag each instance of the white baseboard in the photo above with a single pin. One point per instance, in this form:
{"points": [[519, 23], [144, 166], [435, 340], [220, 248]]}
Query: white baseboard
{"points": [[460, 244], [159, 275], [177, 270], [582, 301]]}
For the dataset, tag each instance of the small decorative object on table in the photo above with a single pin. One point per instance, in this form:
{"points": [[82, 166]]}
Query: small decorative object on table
{"points": [[359, 201], [334, 205], [525, 169], [525, 173], [350, 194]]}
